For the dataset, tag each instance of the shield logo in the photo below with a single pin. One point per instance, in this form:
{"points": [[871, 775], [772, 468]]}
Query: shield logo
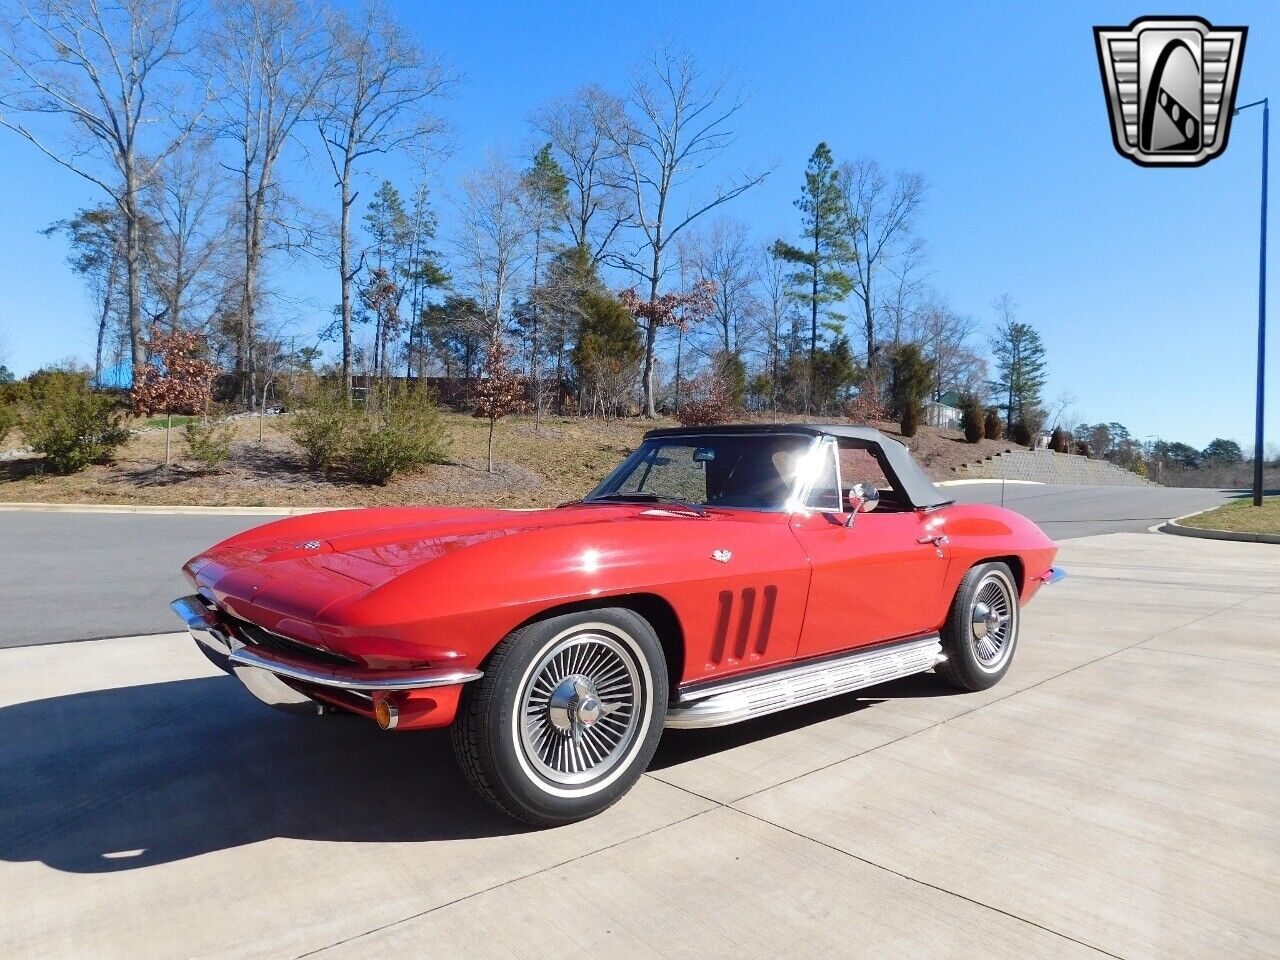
{"points": [[1170, 84]]}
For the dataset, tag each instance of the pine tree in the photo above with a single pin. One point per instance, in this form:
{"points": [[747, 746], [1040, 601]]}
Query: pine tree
{"points": [[820, 280], [1020, 369], [546, 191]]}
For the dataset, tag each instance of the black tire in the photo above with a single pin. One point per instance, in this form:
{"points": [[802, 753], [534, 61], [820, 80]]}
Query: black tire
{"points": [[577, 683], [978, 648]]}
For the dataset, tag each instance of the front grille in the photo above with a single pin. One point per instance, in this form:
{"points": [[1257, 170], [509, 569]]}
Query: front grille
{"points": [[254, 634]]}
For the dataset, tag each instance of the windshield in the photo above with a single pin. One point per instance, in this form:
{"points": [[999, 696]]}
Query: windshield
{"points": [[753, 472]]}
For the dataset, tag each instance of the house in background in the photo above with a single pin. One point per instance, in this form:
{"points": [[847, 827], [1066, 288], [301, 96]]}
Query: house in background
{"points": [[944, 412]]}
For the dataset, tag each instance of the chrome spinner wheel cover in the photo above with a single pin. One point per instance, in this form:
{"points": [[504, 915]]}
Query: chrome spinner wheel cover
{"points": [[580, 708], [993, 622]]}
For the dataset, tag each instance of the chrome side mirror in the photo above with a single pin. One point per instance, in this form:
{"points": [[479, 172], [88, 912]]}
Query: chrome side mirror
{"points": [[863, 498]]}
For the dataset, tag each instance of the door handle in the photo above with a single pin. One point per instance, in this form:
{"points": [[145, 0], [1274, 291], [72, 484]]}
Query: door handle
{"points": [[938, 540]]}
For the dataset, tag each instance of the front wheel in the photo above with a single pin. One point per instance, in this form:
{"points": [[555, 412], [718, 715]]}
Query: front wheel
{"points": [[982, 628], [566, 717]]}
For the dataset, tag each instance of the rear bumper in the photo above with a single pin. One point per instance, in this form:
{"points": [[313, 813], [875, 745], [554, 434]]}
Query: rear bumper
{"points": [[293, 684]]}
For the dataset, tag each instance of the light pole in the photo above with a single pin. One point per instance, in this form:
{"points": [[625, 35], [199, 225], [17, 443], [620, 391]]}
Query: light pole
{"points": [[1262, 305]]}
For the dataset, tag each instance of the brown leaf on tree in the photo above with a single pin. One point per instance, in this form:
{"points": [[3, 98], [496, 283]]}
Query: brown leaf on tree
{"points": [[178, 379]]}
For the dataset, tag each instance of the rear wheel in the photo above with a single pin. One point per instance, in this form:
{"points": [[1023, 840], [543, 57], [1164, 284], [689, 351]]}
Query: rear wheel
{"points": [[566, 717], [982, 628]]}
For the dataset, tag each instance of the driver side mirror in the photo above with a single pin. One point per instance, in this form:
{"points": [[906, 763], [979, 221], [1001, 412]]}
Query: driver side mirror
{"points": [[862, 498]]}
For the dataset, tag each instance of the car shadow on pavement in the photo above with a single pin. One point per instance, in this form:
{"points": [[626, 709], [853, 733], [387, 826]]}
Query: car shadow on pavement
{"points": [[681, 746], [125, 778]]}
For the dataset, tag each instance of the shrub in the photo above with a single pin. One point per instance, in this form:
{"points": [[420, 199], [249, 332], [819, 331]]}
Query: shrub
{"points": [[971, 418], [1020, 433], [1083, 449], [993, 425], [911, 375], [1140, 468], [209, 441], [711, 408], [400, 430], [322, 427], [69, 423], [865, 408], [8, 418], [1059, 441]]}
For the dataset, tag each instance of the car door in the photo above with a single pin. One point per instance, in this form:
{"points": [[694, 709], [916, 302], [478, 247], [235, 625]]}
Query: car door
{"points": [[878, 578]]}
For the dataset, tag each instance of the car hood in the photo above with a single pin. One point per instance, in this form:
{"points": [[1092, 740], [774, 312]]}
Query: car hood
{"points": [[296, 568]]}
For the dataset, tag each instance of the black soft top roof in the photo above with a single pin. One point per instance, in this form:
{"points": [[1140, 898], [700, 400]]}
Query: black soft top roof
{"points": [[906, 475]]}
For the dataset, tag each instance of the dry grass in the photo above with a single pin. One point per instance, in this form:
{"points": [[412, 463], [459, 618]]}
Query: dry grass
{"points": [[563, 458], [1240, 516]]}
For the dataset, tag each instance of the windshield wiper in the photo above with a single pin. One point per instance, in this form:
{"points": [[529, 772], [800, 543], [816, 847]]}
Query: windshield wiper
{"points": [[646, 497]]}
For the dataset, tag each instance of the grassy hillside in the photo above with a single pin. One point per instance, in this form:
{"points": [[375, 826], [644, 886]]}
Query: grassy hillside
{"points": [[559, 459]]}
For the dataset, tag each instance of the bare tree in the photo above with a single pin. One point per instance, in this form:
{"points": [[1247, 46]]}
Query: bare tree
{"points": [[675, 124], [946, 341], [900, 307], [270, 59], [111, 74], [725, 258], [777, 314], [578, 129], [882, 215], [494, 242], [374, 104], [185, 205]]}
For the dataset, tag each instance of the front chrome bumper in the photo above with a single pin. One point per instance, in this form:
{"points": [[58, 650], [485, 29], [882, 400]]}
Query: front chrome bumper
{"points": [[1053, 575], [264, 672]]}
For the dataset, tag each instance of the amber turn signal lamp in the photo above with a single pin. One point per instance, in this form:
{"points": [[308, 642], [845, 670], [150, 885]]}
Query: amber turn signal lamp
{"points": [[385, 713]]}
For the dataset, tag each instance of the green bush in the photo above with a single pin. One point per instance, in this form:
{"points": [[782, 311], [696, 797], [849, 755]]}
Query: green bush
{"points": [[971, 418], [8, 418], [993, 425], [322, 427], [400, 430], [209, 441], [69, 423]]}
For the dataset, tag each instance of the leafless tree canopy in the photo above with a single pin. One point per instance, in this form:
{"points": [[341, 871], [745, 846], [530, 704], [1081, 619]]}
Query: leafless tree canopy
{"points": [[111, 75], [494, 243], [882, 214], [578, 129]]}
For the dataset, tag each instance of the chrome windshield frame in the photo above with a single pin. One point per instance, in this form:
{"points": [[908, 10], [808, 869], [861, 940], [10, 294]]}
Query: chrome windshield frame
{"points": [[787, 505]]}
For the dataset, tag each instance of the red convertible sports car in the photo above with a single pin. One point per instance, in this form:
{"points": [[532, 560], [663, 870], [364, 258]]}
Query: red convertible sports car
{"points": [[718, 574]]}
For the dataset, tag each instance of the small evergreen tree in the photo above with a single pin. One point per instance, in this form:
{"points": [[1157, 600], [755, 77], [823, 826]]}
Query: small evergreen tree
{"points": [[910, 377], [971, 417], [993, 425]]}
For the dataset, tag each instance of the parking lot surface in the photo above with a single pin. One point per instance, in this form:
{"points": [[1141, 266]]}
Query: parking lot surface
{"points": [[1113, 796]]}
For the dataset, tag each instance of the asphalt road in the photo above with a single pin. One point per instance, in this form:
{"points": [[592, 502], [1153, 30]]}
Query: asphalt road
{"points": [[1113, 796], [77, 576]]}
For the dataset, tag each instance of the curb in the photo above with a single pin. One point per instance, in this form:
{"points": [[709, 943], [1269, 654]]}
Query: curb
{"points": [[1239, 536], [961, 483], [174, 510]]}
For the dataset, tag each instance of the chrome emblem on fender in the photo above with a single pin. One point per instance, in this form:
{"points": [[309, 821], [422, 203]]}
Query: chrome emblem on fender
{"points": [[723, 556], [309, 545]]}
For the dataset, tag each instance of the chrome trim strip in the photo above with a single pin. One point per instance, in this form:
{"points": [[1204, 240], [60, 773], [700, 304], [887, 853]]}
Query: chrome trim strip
{"points": [[355, 679], [1054, 575], [751, 697], [203, 624]]}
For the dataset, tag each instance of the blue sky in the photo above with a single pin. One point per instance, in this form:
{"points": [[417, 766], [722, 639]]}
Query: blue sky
{"points": [[1142, 282]]}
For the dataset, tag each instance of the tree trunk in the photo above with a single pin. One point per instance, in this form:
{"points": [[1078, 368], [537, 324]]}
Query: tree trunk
{"points": [[651, 338], [492, 425], [168, 431], [344, 268], [133, 272]]}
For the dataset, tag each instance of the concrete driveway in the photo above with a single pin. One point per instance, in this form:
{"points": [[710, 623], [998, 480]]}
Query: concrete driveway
{"points": [[1114, 796], [76, 576]]}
